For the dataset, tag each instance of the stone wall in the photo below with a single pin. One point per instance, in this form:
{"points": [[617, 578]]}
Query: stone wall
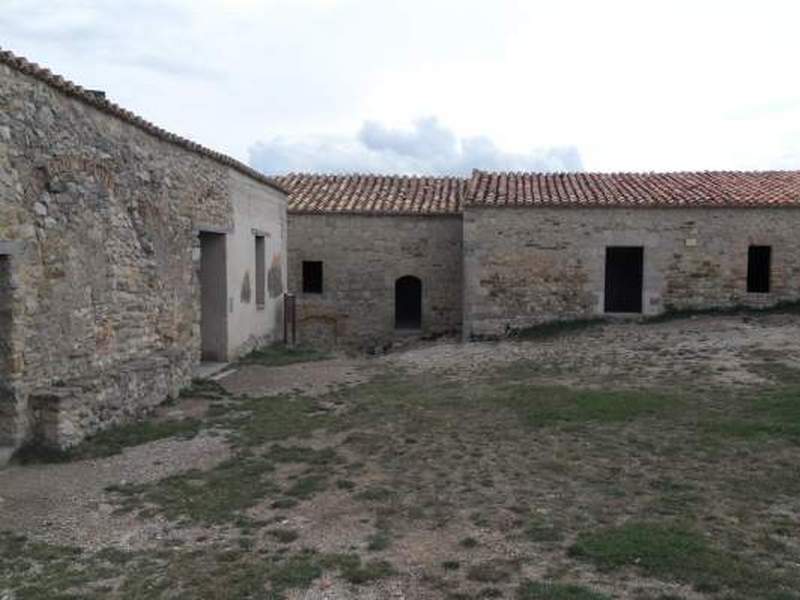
{"points": [[525, 266], [103, 216], [362, 257]]}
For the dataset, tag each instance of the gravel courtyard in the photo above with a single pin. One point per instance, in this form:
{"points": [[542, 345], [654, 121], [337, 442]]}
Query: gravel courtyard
{"points": [[655, 460]]}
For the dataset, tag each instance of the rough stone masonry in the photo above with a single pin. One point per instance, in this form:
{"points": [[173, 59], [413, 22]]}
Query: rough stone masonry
{"points": [[99, 293]]}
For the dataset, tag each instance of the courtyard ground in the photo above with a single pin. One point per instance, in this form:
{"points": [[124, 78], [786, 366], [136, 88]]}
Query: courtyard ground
{"points": [[635, 461]]}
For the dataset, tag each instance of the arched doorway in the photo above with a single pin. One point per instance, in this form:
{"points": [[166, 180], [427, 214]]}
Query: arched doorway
{"points": [[408, 303]]}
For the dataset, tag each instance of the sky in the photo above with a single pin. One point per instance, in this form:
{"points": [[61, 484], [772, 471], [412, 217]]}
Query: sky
{"points": [[441, 86]]}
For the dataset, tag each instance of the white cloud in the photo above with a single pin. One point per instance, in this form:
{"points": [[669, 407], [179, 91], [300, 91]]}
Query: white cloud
{"points": [[635, 85], [427, 148]]}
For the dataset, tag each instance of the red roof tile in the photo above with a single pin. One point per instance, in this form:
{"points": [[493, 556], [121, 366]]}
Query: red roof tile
{"points": [[373, 194], [697, 189], [100, 103]]}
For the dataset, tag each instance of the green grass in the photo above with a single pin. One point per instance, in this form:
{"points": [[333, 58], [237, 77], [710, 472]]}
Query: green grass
{"points": [[539, 531], [111, 441], [279, 355], [534, 590], [773, 414], [671, 553], [380, 540], [215, 496], [284, 536], [672, 313], [555, 329], [491, 571], [38, 571], [204, 388], [538, 406]]}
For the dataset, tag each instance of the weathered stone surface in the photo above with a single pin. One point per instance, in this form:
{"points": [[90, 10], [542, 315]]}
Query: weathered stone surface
{"points": [[525, 266], [362, 258], [105, 294]]}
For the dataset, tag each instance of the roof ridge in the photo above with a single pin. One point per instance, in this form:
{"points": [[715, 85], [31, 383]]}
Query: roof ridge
{"points": [[65, 86]]}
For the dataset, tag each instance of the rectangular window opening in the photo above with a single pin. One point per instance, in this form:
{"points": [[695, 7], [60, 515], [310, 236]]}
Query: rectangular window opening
{"points": [[312, 277], [261, 271], [759, 259]]}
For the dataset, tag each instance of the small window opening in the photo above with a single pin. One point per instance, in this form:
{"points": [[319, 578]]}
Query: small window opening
{"points": [[261, 274], [312, 277], [759, 259]]}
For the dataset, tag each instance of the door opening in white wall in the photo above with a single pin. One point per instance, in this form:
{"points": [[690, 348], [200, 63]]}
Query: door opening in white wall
{"points": [[624, 279], [7, 403], [408, 303], [213, 297]]}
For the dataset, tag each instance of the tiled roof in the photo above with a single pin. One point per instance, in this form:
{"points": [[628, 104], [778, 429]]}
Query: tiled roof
{"points": [[700, 189], [374, 194], [100, 103]]}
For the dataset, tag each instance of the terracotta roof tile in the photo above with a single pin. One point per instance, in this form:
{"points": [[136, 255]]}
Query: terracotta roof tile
{"points": [[71, 89], [705, 188], [373, 194]]}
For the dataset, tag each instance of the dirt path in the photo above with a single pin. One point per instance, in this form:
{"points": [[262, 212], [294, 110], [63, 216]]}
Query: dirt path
{"points": [[67, 504]]}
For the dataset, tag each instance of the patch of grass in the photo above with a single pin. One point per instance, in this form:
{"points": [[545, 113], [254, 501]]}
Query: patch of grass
{"points": [[451, 565], [279, 355], [376, 494], [303, 455], [297, 572], [305, 487], [538, 531], [204, 388], [469, 542], [284, 503], [492, 571], [550, 406], [669, 552], [354, 571], [345, 484], [774, 414], [257, 421], [110, 441], [554, 329], [380, 540], [673, 314], [215, 496], [535, 590], [284, 536]]}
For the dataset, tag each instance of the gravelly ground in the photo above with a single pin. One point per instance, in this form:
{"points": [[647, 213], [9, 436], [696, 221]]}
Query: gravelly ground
{"points": [[67, 504], [717, 350], [464, 474]]}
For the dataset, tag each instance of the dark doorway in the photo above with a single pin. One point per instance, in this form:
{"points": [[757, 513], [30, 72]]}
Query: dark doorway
{"points": [[213, 297], [408, 303], [624, 279], [759, 259], [7, 403]]}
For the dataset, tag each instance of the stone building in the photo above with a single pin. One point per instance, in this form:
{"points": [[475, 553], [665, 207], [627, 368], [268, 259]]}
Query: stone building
{"points": [[500, 252], [539, 248], [126, 254], [374, 257]]}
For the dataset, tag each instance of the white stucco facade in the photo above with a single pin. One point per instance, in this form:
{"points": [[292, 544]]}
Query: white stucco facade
{"points": [[257, 211]]}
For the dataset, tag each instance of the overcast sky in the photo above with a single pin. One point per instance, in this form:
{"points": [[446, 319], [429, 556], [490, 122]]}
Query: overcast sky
{"points": [[441, 86]]}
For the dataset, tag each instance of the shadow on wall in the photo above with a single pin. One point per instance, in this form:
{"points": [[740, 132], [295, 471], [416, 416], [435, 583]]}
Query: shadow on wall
{"points": [[275, 277], [8, 405]]}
